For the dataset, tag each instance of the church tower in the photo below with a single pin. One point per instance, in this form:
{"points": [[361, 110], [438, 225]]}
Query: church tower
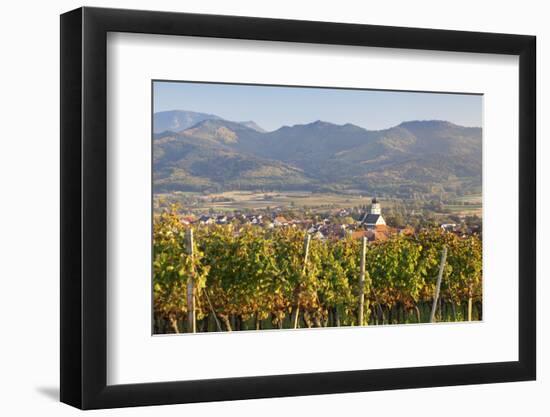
{"points": [[375, 207], [373, 218]]}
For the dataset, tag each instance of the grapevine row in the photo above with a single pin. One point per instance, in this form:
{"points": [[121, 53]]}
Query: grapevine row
{"points": [[248, 277]]}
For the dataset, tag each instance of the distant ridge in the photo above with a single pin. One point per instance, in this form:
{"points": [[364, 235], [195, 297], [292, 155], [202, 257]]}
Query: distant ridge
{"points": [[253, 125], [178, 120], [411, 158]]}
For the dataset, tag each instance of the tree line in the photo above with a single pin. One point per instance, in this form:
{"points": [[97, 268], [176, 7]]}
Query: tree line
{"points": [[252, 278]]}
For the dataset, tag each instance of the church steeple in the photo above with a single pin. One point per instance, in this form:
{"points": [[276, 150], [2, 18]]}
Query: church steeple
{"points": [[373, 217], [375, 207]]}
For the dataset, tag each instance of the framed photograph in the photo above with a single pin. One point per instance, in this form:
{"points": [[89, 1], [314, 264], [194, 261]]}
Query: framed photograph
{"points": [[259, 208]]}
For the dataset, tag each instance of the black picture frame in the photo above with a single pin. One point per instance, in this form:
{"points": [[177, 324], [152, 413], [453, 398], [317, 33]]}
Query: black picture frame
{"points": [[84, 207]]}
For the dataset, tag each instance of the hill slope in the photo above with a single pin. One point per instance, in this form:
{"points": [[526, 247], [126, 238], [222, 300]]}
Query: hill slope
{"points": [[413, 157]]}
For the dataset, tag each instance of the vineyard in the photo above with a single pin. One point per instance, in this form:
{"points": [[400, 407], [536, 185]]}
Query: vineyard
{"points": [[228, 278]]}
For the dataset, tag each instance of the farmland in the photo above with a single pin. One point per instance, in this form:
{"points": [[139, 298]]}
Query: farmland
{"points": [[465, 206], [229, 201], [251, 200]]}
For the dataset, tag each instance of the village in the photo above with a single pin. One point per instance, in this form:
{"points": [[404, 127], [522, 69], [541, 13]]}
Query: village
{"points": [[338, 224]]}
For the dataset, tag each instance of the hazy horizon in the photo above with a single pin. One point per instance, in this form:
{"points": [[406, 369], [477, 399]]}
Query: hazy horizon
{"points": [[311, 121], [273, 107]]}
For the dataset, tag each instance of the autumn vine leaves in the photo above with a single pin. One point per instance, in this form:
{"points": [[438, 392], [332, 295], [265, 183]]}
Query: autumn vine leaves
{"points": [[251, 278]]}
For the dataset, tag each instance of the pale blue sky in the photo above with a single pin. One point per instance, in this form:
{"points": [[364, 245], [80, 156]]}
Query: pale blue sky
{"points": [[273, 107]]}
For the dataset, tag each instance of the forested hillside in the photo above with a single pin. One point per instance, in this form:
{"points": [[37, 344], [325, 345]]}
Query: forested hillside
{"points": [[218, 155]]}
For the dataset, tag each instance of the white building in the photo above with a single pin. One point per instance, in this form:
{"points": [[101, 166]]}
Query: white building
{"points": [[373, 218]]}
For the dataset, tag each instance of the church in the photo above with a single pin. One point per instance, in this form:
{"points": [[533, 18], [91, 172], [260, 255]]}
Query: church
{"points": [[373, 218]]}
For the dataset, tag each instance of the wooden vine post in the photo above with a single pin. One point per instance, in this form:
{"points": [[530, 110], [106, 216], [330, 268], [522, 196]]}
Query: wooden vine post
{"points": [[438, 284], [296, 312], [191, 322], [360, 313], [470, 302]]}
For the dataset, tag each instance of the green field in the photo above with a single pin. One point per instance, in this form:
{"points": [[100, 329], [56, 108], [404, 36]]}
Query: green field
{"points": [[467, 205], [250, 200], [230, 201]]}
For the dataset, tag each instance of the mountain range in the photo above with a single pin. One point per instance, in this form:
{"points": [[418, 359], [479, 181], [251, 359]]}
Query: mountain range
{"points": [[203, 152]]}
